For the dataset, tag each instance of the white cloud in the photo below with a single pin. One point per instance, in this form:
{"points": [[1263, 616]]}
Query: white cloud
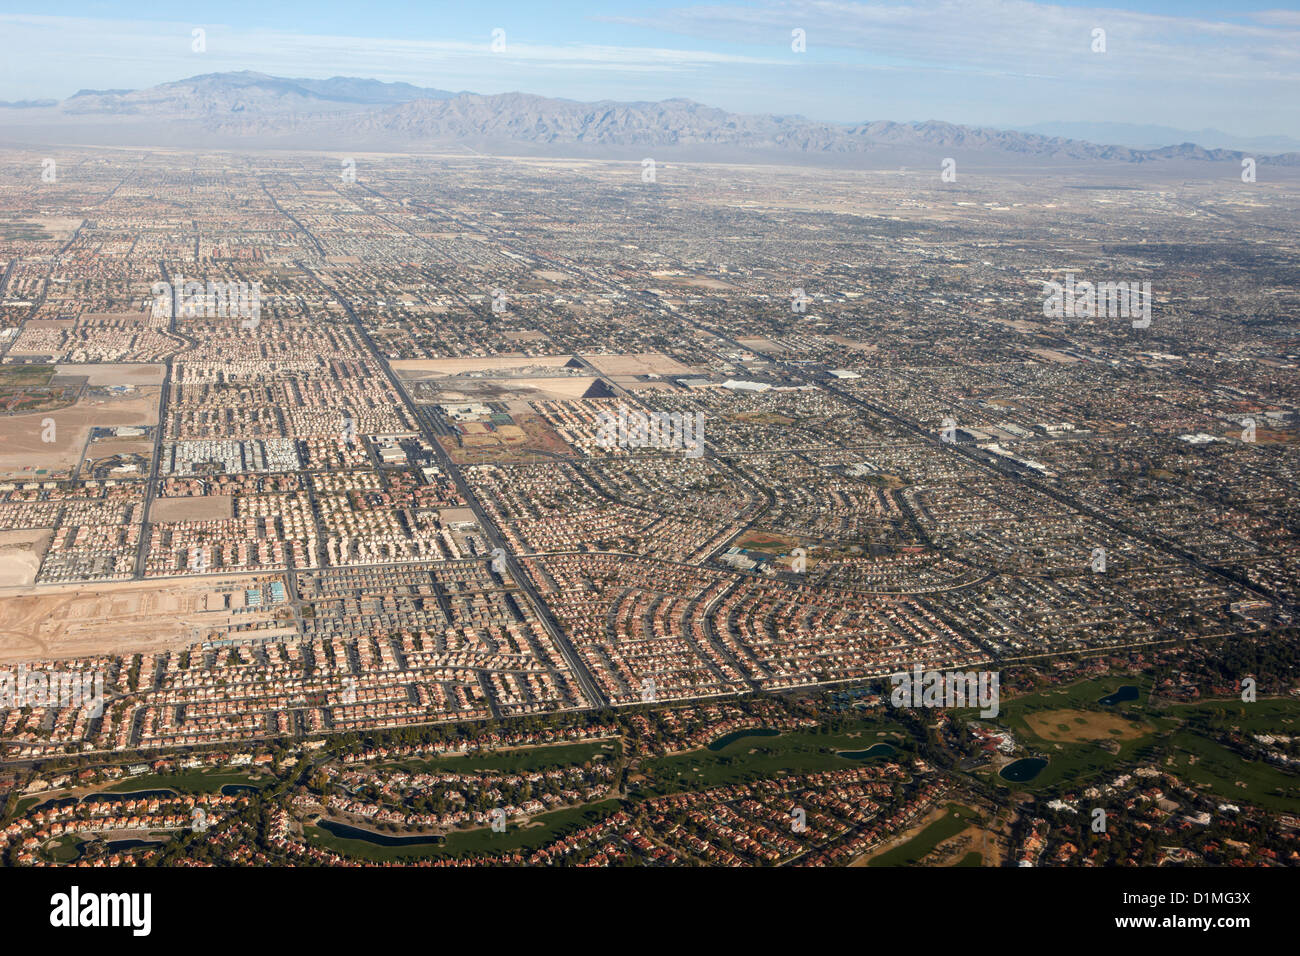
{"points": [[1015, 36]]}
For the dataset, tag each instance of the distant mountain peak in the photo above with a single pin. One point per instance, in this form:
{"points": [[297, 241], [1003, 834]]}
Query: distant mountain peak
{"points": [[345, 112], [247, 91]]}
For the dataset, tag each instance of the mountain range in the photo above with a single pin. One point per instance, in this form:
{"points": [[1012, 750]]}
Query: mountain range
{"points": [[1153, 136], [345, 113]]}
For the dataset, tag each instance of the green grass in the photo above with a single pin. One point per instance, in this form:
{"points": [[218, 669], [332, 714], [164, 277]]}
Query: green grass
{"points": [[916, 849], [1079, 696], [1072, 763], [752, 757], [18, 376], [1279, 715], [1206, 762], [973, 858], [516, 761], [481, 840], [196, 781], [1189, 730], [65, 849]]}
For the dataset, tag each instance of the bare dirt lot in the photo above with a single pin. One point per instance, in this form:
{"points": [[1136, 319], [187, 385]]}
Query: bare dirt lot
{"points": [[210, 508], [546, 388], [58, 227], [1054, 356], [519, 444], [21, 553], [852, 343], [435, 368], [704, 282], [526, 335], [24, 451], [116, 374], [107, 447], [127, 617], [756, 540], [637, 363], [761, 344]]}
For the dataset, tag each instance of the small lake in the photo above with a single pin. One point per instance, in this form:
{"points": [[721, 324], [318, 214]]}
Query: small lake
{"points": [[879, 750], [379, 839], [1023, 770], [235, 789], [1127, 692], [735, 735]]}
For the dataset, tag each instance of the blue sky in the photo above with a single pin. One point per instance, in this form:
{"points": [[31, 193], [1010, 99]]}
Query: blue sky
{"points": [[1191, 64]]}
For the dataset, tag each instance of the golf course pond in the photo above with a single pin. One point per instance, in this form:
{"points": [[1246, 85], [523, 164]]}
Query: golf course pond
{"points": [[1126, 693], [379, 839], [1023, 770], [735, 735]]}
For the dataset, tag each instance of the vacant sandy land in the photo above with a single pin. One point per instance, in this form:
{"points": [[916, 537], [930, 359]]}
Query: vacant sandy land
{"points": [[1020, 325], [212, 508], [545, 388], [631, 381], [851, 343], [761, 344], [21, 553], [426, 368], [1054, 356], [23, 450], [107, 447], [704, 282], [116, 374], [59, 227], [526, 335], [127, 617], [637, 363]]}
